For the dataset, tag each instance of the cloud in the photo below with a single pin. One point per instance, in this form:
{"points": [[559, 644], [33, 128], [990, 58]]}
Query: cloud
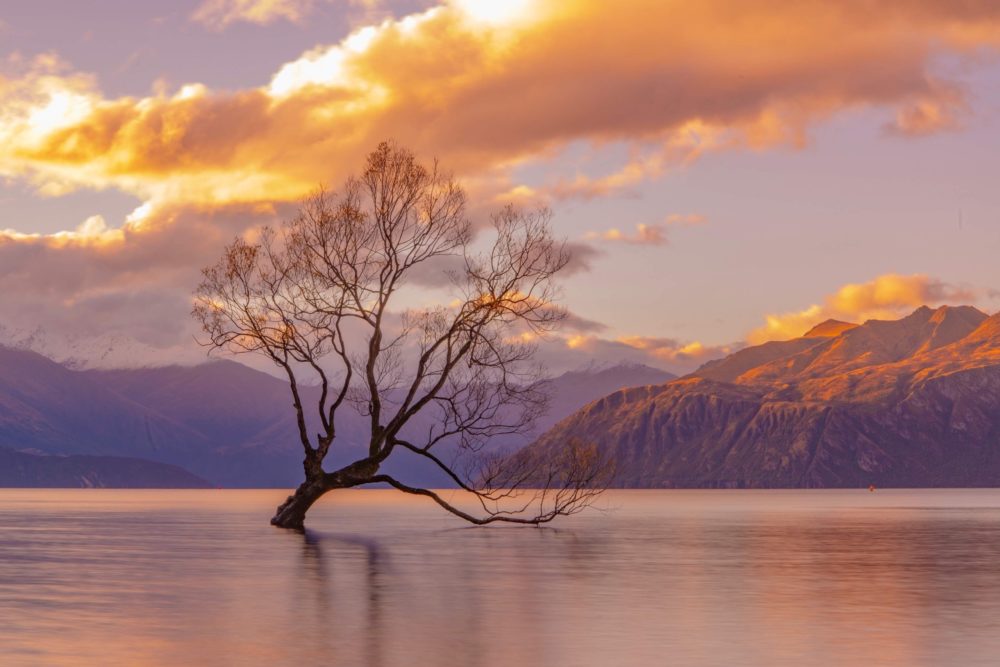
{"points": [[888, 296], [486, 89], [574, 322], [685, 219], [654, 234], [668, 353], [92, 231], [135, 280], [647, 160], [941, 111], [643, 235], [674, 351], [581, 258], [438, 271], [219, 14]]}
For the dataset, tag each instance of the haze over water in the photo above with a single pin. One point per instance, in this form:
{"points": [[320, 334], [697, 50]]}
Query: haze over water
{"points": [[100, 577]]}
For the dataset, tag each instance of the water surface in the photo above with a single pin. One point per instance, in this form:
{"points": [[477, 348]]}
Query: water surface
{"points": [[102, 577]]}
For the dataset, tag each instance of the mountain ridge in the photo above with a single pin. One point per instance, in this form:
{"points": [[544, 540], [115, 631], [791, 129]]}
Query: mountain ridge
{"points": [[909, 402], [33, 470], [222, 420]]}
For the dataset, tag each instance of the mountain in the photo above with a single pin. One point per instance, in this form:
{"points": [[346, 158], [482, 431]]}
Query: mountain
{"points": [[221, 420], [26, 470], [241, 419], [108, 350], [571, 391], [247, 417], [829, 328], [46, 406], [911, 402]]}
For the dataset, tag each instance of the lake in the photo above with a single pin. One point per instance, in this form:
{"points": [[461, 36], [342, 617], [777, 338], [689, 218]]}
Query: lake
{"points": [[114, 577]]}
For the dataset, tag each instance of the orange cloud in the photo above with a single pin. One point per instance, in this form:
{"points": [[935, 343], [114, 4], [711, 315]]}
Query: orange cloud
{"points": [[943, 110], [670, 350], [674, 354], [644, 235], [134, 280], [886, 297], [92, 231], [487, 85], [653, 234], [218, 14]]}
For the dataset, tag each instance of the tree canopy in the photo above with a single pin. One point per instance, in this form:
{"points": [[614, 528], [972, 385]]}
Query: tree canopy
{"points": [[322, 297]]}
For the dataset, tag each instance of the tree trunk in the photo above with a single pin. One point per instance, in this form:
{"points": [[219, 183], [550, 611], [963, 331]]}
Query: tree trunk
{"points": [[292, 512]]}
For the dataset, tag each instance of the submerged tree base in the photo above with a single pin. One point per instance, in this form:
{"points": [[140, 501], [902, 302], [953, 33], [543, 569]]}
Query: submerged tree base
{"points": [[292, 512]]}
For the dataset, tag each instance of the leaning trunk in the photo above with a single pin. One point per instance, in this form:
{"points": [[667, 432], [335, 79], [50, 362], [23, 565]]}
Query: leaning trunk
{"points": [[292, 512]]}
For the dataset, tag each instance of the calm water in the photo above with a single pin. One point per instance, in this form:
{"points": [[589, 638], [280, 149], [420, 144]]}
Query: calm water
{"points": [[93, 577]]}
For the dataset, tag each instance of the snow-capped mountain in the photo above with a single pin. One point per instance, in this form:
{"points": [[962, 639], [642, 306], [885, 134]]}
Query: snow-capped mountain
{"points": [[99, 352]]}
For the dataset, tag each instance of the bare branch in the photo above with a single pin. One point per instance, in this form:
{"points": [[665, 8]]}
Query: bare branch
{"points": [[318, 296]]}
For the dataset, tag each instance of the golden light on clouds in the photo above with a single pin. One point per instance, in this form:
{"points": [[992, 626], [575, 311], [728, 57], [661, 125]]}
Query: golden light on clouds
{"points": [[526, 101], [643, 235], [666, 350], [886, 297], [93, 231], [219, 14], [652, 234], [929, 116], [493, 12], [485, 85]]}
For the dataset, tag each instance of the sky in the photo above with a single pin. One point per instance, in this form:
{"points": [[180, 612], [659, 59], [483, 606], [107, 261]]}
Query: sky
{"points": [[727, 172]]}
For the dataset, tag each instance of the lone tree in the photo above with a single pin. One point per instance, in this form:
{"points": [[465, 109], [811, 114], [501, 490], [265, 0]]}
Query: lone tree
{"points": [[318, 297]]}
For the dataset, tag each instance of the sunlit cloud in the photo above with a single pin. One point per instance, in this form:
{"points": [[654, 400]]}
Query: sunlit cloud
{"points": [[669, 353], [92, 231], [685, 219], [134, 280], [889, 296], [886, 297], [944, 110], [492, 13], [219, 14], [671, 350], [653, 234], [643, 235], [486, 85]]}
